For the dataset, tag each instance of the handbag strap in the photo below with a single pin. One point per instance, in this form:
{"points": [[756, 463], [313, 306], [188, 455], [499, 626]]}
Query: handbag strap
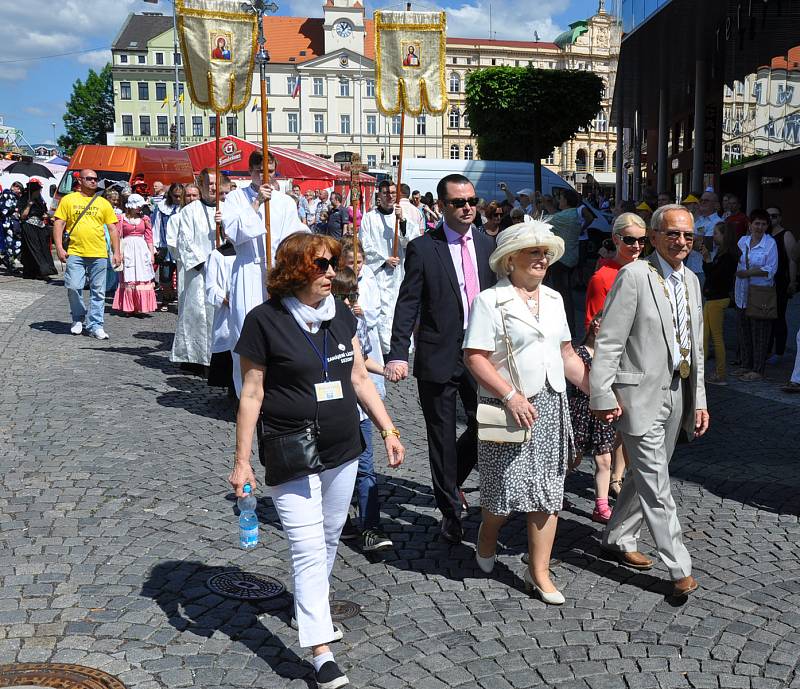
{"points": [[512, 364], [83, 212]]}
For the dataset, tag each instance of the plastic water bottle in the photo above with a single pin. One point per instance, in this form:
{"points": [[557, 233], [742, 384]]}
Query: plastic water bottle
{"points": [[248, 521]]}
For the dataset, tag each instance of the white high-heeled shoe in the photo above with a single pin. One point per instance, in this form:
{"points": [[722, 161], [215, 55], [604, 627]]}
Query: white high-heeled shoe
{"points": [[554, 598], [485, 563]]}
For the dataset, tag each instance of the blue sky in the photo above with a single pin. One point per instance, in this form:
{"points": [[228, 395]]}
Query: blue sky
{"points": [[33, 92]]}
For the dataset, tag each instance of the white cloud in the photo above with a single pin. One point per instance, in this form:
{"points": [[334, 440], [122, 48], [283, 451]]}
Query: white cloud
{"points": [[34, 111], [97, 59], [80, 30], [511, 19]]}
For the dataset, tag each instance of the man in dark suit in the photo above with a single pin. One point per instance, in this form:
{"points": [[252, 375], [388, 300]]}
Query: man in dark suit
{"points": [[444, 271]]}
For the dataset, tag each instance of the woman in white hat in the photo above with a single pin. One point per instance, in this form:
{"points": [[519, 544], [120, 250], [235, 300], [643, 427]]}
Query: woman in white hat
{"points": [[136, 292], [518, 347]]}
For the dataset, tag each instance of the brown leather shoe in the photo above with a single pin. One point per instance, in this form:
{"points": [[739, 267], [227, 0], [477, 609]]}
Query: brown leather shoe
{"points": [[634, 559], [684, 586]]}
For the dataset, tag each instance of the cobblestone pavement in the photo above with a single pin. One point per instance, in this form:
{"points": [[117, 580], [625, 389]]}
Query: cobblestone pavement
{"points": [[114, 511]]}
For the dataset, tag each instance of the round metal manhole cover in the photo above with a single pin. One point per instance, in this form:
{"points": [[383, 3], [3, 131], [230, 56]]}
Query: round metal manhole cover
{"points": [[56, 676], [344, 610], [245, 586]]}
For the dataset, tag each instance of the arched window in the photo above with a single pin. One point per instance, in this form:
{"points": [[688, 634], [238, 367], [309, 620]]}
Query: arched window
{"points": [[454, 152], [580, 160], [455, 118], [465, 120], [600, 160], [614, 161], [468, 152], [455, 83]]}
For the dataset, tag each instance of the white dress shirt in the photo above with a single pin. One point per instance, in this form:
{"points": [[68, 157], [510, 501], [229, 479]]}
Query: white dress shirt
{"points": [[763, 255], [536, 344], [454, 244], [667, 270]]}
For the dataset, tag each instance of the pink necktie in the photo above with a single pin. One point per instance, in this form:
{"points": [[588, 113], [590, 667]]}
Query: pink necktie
{"points": [[471, 286]]}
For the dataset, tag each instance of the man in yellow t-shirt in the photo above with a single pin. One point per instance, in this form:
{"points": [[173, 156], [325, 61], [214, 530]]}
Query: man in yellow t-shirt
{"points": [[87, 253]]}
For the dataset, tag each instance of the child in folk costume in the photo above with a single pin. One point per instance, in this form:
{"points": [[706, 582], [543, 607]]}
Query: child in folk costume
{"points": [[136, 291], [592, 436]]}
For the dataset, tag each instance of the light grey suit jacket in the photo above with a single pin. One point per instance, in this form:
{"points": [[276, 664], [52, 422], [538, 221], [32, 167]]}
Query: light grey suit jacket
{"points": [[633, 356]]}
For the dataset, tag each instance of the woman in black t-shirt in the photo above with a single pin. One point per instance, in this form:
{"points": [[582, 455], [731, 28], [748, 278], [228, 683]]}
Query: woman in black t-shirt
{"points": [[301, 359]]}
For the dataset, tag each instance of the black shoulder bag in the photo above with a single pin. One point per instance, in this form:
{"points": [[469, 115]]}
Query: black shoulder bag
{"points": [[65, 235], [294, 454]]}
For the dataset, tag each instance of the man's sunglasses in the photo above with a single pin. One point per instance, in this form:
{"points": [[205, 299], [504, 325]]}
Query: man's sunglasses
{"points": [[460, 203], [774, 215], [324, 263], [674, 235], [89, 179], [630, 241]]}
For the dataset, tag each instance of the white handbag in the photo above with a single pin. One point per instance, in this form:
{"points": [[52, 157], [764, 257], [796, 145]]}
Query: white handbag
{"points": [[497, 424]]}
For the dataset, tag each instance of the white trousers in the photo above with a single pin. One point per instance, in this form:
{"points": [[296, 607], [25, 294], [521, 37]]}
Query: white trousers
{"points": [[313, 510]]}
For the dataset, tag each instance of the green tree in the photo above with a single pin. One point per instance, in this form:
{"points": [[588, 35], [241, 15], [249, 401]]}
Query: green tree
{"points": [[90, 111], [523, 113]]}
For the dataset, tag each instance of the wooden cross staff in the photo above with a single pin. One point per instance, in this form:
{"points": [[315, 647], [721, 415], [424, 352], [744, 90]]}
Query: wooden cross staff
{"points": [[355, 168]]}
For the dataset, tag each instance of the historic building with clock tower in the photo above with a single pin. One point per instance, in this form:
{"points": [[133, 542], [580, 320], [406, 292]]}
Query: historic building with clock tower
{"points": [[321, 80]]}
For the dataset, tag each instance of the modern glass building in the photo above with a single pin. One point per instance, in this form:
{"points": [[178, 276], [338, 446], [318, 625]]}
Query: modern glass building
{"points": [[632, 13]]}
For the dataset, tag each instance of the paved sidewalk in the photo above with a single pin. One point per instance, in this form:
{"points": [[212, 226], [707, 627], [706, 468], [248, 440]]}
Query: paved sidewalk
{"points": [[114, 511]]}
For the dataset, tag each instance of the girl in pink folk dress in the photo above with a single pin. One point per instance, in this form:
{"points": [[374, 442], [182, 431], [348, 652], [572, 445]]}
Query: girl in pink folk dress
{"points": [[136, 291]]}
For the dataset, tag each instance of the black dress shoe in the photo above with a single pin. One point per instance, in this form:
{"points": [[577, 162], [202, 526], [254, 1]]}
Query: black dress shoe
{"points": [[451, 530]]}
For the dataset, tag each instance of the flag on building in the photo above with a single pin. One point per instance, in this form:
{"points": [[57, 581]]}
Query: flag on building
{"points": [[218, 42], [164, 102], [410, 62], [296, 91]]}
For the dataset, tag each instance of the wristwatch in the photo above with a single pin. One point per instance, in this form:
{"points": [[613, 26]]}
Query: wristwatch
{"points": [[391, 431]]}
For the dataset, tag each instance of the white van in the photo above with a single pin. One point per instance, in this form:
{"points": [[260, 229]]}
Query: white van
{"points": [[423, 174]]}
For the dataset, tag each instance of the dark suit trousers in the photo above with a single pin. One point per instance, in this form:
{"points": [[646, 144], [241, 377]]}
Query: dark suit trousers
{"points": [[451, 459]]}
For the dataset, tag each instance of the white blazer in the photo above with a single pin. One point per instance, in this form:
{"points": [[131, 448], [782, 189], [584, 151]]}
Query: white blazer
{"points": [[536, 344]]}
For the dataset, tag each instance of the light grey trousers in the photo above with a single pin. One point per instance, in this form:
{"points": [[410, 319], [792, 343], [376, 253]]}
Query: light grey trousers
{"points": [[647, 493]]}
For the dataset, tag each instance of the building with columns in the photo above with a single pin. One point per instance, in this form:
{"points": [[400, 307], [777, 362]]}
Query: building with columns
{"points": [[590, 44]]}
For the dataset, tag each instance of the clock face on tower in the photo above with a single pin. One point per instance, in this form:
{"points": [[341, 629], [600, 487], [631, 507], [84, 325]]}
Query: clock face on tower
{"points": [[343, 28]]}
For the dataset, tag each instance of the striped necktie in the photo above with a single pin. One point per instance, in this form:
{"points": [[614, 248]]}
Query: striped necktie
{"points": [[681, 315]]}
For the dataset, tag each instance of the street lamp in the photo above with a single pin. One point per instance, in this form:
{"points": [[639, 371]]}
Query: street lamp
{"points": [[177, 77]]}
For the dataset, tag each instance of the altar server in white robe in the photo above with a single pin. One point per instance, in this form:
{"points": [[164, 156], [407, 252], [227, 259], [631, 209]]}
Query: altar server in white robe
{"points": [[377, 236], [243, 220], [196, 238]]}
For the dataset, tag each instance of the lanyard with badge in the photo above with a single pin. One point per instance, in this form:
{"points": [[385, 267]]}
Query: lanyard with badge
{"points": [[327, 390]]}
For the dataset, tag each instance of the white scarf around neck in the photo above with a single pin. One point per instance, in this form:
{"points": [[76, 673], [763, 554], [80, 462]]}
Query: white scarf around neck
{"points": [[305, 314]]}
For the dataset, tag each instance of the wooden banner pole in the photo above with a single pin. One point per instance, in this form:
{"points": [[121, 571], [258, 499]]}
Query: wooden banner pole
{"points": [[217, 178], [396, 248]]}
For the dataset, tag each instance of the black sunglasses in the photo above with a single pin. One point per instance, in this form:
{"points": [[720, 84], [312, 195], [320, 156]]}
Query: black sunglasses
{"points": [[460, 203], [89, 179], [352, 297], [324, 263], [630, 241]]}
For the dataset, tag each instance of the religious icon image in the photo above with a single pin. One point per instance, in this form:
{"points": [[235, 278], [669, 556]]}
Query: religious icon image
{"points": [[221, 47], [411, 55]]}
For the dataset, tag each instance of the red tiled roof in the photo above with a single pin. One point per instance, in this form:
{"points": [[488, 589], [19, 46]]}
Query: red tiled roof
{"points": [[502, 44], [790, 61], [289, 36]]}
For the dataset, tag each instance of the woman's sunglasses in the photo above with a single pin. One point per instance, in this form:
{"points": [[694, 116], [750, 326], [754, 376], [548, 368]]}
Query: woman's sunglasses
{"points": [[630, 241], [352, 297], [324, 263]]}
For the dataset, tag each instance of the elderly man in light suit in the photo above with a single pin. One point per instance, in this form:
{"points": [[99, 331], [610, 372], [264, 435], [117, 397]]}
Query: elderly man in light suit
{"points": [[647, 375]]}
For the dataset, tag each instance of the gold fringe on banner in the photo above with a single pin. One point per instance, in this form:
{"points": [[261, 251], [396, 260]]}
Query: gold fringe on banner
{"points": [[410, 52], [218, 45]]}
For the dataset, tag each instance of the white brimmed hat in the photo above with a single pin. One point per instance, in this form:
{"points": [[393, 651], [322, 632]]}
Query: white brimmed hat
{"points": [[527, 191], [135, 201], [525, 235]]}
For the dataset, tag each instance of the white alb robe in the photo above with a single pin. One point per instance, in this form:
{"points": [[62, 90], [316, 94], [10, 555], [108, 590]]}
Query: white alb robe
{"points": [[244, 227], [377, 237], [218, 287], [194, 234]]}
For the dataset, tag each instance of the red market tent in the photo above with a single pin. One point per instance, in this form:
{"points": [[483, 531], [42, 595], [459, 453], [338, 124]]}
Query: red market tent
{"points": [[307, 170]]}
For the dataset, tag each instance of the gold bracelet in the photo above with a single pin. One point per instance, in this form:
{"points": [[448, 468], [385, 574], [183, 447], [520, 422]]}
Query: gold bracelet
{"points": [[392, 431]]}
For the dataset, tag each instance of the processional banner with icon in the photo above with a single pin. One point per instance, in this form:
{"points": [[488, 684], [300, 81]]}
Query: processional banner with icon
{"points": [[410, 52]]}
